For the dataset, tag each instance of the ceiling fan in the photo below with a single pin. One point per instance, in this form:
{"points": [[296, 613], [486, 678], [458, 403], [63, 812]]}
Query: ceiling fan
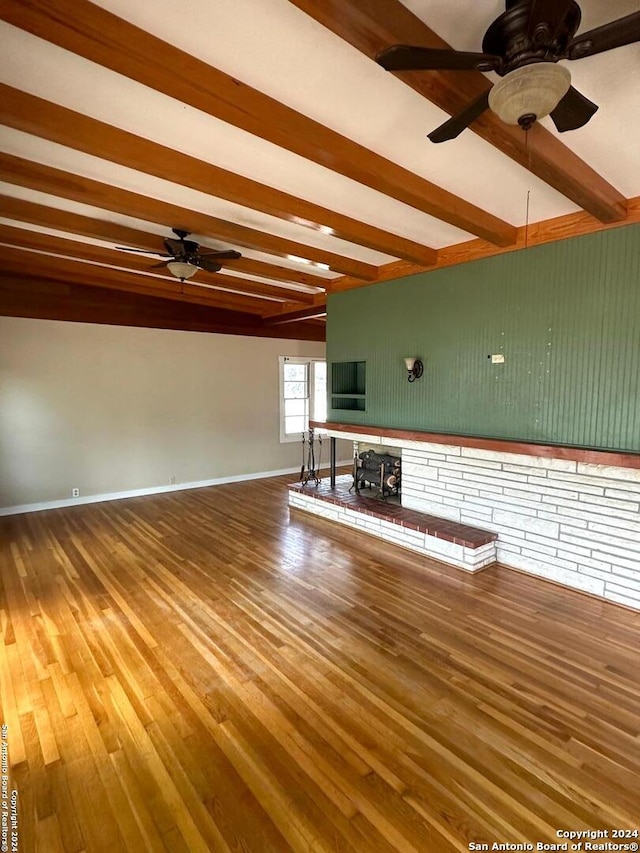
{"points": [[185, 256], [523, 46]]}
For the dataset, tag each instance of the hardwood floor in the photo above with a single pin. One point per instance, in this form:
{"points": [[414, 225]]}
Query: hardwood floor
{"points": [[194, 672]]}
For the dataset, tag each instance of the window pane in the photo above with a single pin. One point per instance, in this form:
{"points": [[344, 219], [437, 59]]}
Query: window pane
{"points": [[295, 390], [320, 391], [295, 372], [295, 407], [296, 399], [295, 424]]}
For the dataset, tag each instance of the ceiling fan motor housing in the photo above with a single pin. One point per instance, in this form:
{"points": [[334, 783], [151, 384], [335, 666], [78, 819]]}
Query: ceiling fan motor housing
{"points": [[512, 36]]}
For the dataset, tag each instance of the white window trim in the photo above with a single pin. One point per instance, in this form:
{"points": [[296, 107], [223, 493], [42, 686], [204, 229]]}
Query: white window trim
{"points": [[290, 359]]}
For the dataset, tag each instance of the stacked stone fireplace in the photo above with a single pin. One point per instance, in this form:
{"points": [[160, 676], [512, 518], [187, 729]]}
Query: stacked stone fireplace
{"points": [[570, 515]]}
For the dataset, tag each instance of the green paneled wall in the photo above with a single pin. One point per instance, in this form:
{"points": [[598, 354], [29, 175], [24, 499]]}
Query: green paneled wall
{"points": [[566, 316]]}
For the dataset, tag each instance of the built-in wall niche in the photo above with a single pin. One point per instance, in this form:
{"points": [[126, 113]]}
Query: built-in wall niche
{"points": [[348, 385]]}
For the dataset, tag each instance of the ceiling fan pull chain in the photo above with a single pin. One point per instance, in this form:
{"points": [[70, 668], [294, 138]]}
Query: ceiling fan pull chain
{"points": [[527, 143]]}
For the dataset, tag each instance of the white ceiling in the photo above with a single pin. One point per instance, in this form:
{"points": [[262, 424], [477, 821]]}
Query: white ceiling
{"points": [[276, 48]]}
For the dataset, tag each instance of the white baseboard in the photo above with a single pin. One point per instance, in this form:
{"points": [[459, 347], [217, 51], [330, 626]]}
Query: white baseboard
{"points": [[153, 490]]}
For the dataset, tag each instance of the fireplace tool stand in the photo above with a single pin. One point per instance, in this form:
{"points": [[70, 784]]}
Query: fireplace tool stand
{"points": [[309, 472]]}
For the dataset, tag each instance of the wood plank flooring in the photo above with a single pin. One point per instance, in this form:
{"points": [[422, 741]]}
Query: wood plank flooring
{"points": [[194, 672]]}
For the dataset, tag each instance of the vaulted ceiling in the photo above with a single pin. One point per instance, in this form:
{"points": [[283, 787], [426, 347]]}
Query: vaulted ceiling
{"points": [[267, 127]]}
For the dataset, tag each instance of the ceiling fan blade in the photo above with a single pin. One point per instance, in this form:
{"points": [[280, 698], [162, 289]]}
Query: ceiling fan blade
{"points": [[209, 265], [227, 255], [144, 252], [402, 57], [573, 111], [546, 18], [456, 124], [615, 34]]}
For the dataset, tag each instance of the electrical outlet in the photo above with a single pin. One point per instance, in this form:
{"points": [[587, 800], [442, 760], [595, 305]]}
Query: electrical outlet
{"points": [[75, 493]]}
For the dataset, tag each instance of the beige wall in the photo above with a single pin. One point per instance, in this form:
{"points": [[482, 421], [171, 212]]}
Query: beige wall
{"points": [[109, 409]]}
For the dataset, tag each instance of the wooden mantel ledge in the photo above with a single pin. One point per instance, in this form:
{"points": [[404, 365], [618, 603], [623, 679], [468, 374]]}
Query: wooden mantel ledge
{"points": [[584, 455]]}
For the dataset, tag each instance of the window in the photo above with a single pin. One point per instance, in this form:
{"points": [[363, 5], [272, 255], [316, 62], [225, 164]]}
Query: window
{"points": [[303, 395]]}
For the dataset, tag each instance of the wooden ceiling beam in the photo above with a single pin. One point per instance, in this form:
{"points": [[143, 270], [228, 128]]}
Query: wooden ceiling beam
{"points": [[536, 234], [277, 273], [295, 316], [35, 240], [36, 176], [57, 219], [23, 263], [74, 130], [255, 288], [86, 226], [100, 36], [377, 24]]}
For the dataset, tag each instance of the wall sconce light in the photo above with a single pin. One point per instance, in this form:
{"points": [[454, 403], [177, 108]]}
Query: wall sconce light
{"points": [[415, 368]]}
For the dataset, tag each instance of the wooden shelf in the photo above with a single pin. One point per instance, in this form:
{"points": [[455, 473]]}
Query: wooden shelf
{"points": [[349, 402], [584, 455]]}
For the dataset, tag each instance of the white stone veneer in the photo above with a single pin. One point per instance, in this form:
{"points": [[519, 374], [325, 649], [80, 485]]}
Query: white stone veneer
{"points": [[572, 522], [469, 559]]}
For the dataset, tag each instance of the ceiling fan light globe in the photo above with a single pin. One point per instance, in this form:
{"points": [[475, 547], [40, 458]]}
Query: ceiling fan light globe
{"points": [[182, 269], [534, 89]]}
